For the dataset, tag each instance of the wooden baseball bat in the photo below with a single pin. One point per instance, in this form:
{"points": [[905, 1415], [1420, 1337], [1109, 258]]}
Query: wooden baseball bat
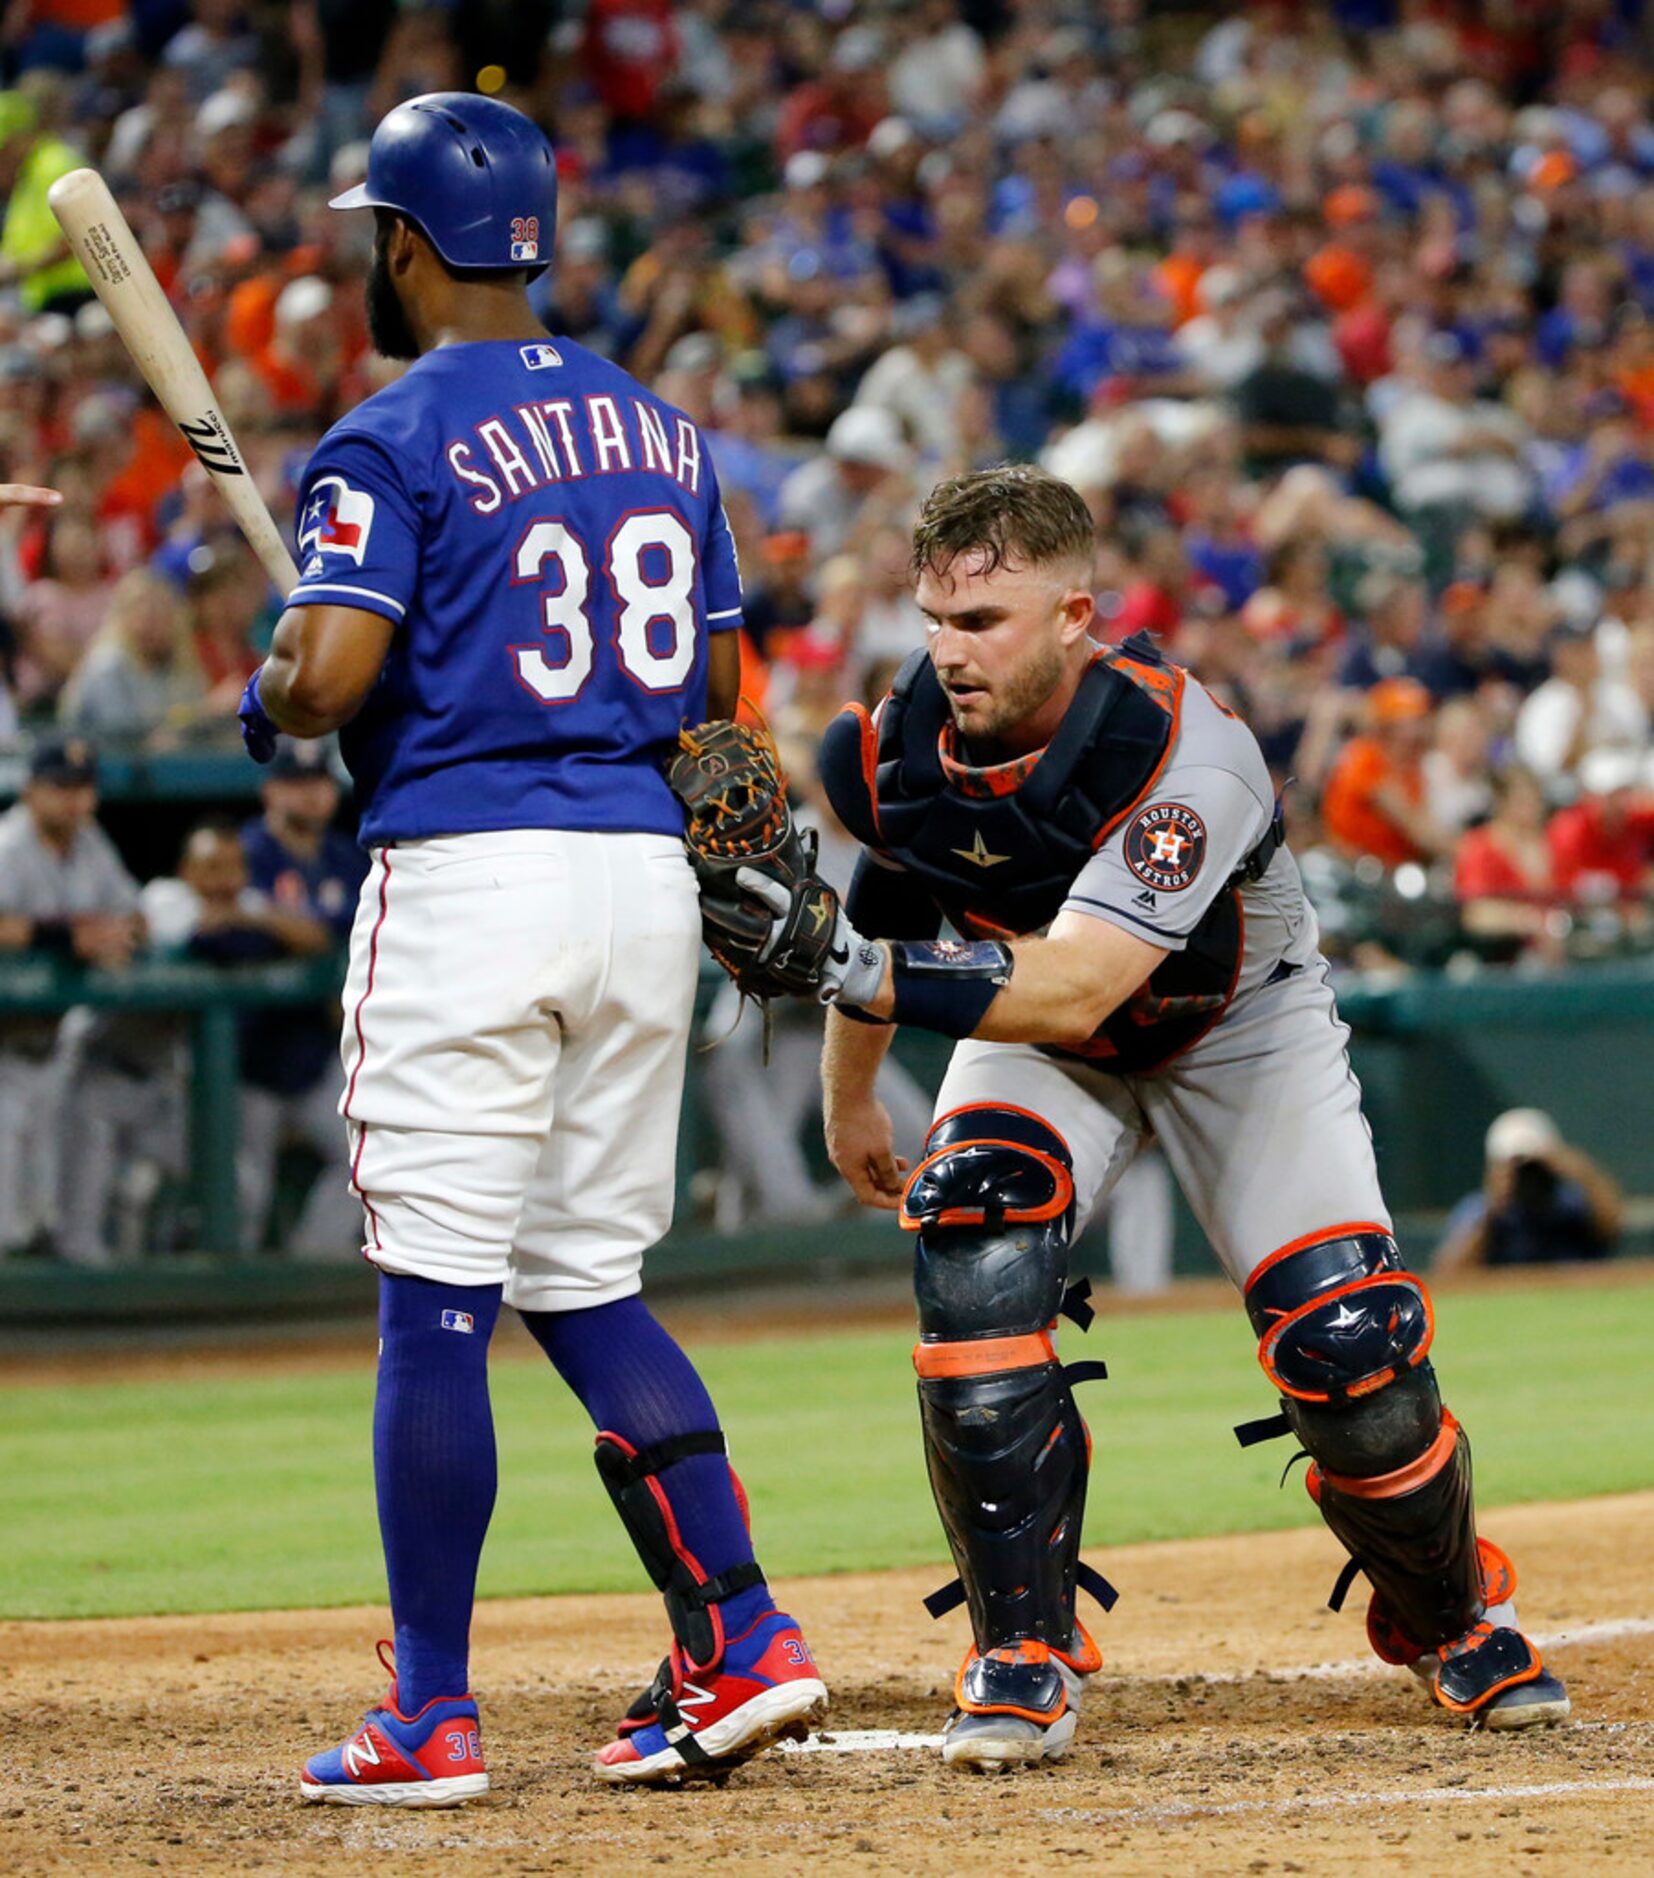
{"points": [[104, 244]]}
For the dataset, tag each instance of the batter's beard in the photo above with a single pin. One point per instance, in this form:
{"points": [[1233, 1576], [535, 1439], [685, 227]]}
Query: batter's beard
{"points": [[388, 327], [1022, 696]]}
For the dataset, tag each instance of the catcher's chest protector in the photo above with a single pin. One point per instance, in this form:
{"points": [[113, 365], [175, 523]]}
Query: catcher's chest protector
{"points": [[1000, 849]]}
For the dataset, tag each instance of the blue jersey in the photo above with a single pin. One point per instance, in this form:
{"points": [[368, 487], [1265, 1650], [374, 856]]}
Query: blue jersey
{"points": [[547, 538], [288, 1050]]}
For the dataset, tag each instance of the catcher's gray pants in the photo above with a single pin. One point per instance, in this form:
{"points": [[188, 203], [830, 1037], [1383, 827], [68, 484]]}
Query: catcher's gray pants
{"points": [[1260, 1122]]}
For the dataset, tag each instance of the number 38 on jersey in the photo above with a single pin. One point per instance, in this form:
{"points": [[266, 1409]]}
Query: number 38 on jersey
{"points": [[647, 568]]}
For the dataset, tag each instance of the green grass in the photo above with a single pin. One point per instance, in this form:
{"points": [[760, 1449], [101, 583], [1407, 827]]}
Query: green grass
{"points": [[222, 1494]]}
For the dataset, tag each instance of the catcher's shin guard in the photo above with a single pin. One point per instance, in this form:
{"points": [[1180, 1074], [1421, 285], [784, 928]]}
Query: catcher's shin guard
{"points": [[993, 1207], [1344, 1334], [632, 1477]]}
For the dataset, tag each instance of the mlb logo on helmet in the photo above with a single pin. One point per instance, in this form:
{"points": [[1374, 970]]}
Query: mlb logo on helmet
{"points": [[459, 1320], [525, 238]]}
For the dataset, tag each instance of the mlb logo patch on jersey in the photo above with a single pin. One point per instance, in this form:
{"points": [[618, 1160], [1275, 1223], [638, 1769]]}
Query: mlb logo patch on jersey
{"points": [[462, 1321], [540, 358], [1165, 845], [336, 519]]}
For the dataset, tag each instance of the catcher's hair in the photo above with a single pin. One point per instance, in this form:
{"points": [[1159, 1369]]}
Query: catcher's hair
{"points": [[1013, 515]]}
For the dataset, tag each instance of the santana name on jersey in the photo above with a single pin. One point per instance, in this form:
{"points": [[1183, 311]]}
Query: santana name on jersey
{"points": [[561, 440]]}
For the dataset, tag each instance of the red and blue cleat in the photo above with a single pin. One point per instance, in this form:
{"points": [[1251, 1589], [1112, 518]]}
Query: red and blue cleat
{"points": [[699, 1723], [431, 1758]]}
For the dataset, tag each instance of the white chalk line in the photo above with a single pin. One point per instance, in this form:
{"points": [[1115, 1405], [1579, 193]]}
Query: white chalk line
{"points": [[896, 1741], [1606, 1632], [861, 1741], [1311, 1802]]}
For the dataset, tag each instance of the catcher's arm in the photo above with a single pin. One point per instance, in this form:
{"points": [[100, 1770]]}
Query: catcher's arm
{"points": [[861, 1143]]}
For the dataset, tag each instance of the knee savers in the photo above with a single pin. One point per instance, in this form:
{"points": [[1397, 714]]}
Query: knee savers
{"points": [[1344, 1334], [992, 1206]]}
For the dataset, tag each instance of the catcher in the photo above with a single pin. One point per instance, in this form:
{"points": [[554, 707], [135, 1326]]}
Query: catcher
{"points": [[1137, 958]]}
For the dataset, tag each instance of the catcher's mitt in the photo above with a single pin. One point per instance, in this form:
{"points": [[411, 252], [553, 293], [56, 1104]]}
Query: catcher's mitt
{"points": [[728, 777]]}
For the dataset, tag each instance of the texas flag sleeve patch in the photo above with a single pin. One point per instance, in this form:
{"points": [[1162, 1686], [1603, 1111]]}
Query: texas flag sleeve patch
{"points": [[336, 519]]}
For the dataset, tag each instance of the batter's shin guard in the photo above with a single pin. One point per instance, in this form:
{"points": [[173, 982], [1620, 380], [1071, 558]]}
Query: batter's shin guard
{"points": [[1344, 1331], [633, 1479], [992, 1205]]}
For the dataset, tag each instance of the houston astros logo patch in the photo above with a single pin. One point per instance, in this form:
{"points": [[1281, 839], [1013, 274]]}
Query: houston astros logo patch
{"points": [[1165, 845]]}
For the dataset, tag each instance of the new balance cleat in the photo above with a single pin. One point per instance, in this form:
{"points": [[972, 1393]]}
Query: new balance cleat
{"points": [[697, 1724], [430, 1758], [1018, 1704]]}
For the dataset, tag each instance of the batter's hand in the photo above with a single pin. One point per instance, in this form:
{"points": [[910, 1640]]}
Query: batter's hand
{"points": [[861, 1144]]}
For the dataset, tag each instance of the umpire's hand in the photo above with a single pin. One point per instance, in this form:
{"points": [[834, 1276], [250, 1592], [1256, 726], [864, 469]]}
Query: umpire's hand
{"points": [[861, 1144]]}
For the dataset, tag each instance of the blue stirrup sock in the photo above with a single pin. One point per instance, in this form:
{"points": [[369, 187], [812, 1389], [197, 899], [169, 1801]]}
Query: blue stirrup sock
{"points": [[434, 1467], [635, 1382]]}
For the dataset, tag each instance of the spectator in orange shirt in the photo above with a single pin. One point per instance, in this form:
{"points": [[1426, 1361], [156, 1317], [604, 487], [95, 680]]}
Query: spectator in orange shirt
{"points": [[1341, 273], [300, 366], [1374, 801], [1602, 848]]}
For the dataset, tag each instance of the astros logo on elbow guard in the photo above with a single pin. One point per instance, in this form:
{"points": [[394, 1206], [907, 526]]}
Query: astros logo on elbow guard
{"points": [[1165, 845]]}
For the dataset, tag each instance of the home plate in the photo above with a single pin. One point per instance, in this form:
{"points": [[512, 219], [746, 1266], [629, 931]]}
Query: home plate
{"points": [[861, 1741]]}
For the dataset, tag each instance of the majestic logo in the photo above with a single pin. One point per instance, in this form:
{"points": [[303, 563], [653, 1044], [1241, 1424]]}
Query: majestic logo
{"points": [[525, 238], [461, 1321], [540, 357], [1165, 845], [337, 519], [1146, 900], [977, 853]]}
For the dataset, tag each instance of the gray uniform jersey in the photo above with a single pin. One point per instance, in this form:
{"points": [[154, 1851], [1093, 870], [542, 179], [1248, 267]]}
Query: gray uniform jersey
{"points": [[1260, 1119], [39, 883], [1159, 872], [36, 882]]}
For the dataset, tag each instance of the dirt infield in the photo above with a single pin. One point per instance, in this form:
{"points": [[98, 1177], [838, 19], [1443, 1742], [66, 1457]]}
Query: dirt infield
{"points": [[1236, 1728]]}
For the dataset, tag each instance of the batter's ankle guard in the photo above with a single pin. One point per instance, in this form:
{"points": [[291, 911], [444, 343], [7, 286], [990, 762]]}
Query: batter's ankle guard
{"points": [[1344, 1331], [632, 1477], [992, 1204]]}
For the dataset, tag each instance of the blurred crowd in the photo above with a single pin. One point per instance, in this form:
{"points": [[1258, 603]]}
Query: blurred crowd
{"points": [[1341, 316]]}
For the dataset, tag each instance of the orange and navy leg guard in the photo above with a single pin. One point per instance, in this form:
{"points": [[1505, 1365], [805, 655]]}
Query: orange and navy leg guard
{"points": [[1344, 1334], [992, 1205]]}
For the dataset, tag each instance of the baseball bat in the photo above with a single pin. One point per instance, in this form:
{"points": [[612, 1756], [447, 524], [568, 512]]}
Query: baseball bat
{"points": [[104, 244]]}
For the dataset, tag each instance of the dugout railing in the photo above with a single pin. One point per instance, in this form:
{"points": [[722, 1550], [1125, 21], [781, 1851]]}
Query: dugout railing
{"points": [[1438, 1056]]}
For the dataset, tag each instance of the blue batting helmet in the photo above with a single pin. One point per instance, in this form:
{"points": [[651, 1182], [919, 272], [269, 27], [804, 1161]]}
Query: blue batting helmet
{"points": [[478, 177]]}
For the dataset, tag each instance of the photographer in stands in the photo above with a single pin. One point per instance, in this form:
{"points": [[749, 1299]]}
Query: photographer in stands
{"points": [[1542, 1202]]}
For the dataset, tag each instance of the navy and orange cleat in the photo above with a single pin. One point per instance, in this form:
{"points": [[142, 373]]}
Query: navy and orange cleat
{"points": [[1018, 1703], [698, 1724], [1492, 1676], [430, 1758]]}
